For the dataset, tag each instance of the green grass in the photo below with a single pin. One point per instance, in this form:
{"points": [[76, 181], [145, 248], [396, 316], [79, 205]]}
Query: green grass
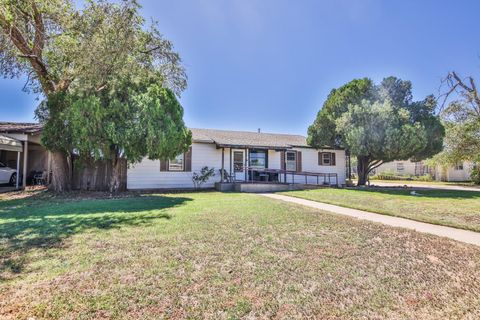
{"points": [[460, 209], [222, 256], [427, 183]]}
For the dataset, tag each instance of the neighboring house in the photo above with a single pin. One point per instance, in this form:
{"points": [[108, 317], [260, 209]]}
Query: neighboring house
{"points": [[403, 168], [245, 156], [459, 172], [29, 157]]}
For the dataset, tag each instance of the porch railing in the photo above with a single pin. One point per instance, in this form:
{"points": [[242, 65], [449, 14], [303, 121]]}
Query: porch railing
{"points": [[266, 175]]}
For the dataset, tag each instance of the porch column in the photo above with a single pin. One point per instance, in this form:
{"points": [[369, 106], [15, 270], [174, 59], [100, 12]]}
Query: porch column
{"points": [[17, 182], [231, 164], [25, 163], [223, 164], [246, 164], [49, 166]]}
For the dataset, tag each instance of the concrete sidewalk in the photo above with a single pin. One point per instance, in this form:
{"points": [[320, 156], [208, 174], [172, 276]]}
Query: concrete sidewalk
{"points": [[442, 231]]}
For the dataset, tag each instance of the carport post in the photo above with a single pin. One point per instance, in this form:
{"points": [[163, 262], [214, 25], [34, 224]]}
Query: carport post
{"points": [[25, 160], [17, 182]]}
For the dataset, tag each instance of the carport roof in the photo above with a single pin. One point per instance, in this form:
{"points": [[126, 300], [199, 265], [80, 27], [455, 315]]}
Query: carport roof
{"points": [[20, 127], [10, 144]]}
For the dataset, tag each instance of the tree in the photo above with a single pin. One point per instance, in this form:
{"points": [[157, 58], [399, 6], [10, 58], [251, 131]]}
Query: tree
{"points": [[461, 117], [128, 122], [65, 51], [375, 132], [377, 123]]}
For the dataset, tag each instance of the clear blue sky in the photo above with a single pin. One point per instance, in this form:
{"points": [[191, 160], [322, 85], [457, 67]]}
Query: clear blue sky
{"points": [[271, 63]]}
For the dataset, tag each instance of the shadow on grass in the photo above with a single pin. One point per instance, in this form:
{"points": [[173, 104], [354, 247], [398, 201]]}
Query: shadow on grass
{"points": [[27, 224], [423, 192]]}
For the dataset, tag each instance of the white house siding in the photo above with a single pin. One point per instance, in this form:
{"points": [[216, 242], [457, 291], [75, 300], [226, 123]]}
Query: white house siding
{"points": [[452, 174], [410, 168], [147, 174], [310, 164]]}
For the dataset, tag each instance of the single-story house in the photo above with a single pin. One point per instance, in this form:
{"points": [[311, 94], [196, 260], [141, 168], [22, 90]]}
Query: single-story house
{"points": [[403, 168], [458, 172], [243, 157]]}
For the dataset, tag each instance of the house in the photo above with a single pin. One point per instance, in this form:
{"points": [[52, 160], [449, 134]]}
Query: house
{"points": [[244, 157], [22, 150], [403, 168], [459, 172]]}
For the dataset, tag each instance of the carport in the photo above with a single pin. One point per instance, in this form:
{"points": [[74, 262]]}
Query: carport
{"points": [[11, 144]]}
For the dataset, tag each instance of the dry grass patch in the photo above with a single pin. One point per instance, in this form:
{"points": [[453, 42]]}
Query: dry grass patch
{"points": [[223, 256]]}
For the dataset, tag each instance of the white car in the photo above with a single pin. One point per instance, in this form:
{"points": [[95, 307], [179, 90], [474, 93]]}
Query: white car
{"points": [[7, 175]]}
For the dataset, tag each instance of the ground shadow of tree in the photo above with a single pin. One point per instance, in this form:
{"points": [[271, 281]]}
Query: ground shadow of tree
{"points": [[27, 224]]}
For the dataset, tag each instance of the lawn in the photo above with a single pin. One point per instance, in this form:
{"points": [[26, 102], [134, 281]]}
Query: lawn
{"points": [[460, 209], [222, 256]]}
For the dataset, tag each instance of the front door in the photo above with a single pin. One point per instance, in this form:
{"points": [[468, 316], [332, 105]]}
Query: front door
{"points": [[239, 164]]}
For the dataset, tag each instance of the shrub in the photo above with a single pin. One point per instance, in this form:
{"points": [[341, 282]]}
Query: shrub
{"points": [[202, 177], [475, 175]]}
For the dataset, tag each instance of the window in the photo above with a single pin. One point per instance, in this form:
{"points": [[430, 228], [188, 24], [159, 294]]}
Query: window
{"points": [[258, 159], [291, 161], [326, 158], [459, 166], [238, 161], [400, 166], [176, 164]]}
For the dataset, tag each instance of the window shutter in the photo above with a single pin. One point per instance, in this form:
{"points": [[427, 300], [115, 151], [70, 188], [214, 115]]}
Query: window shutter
{"points": [[320, 159], [333, 159], [187, 159], [282, 160], [163, 165], [299, 161]]}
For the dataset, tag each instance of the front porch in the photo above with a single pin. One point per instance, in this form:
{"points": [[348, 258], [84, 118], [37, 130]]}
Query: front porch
{"points": [[268, 170]]}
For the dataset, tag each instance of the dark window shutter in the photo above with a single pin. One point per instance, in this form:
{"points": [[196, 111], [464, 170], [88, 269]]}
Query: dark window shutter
{"points": [[299, 161], [320, 159], [187, 159], [332, 161], [163, 165], [282, 160]]}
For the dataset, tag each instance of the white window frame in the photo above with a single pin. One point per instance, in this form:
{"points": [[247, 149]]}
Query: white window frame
{"points": [[459, 166], [291, 165], [326, 156], [177, 166]]}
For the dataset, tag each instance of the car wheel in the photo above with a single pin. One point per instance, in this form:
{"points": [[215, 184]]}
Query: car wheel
{"points": [[13, 179]]}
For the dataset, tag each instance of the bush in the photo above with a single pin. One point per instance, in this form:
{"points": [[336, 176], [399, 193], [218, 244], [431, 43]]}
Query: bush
{"points": [[202, 177], [475, 175], [391, 176]]}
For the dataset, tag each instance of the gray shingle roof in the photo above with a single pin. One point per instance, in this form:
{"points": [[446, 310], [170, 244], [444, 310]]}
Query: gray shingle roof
{"points": [[20, 127], [248, 139]]}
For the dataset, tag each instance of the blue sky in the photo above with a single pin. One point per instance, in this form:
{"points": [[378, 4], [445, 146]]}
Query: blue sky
{"points": [[270, 64]]}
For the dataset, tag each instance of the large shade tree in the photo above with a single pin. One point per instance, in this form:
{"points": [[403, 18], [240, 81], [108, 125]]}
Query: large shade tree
{"points": [[461, 117], [72, 55], [377, 124]]}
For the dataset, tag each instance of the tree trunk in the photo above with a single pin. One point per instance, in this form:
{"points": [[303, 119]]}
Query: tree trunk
{"points": [[61, 172], [118, 175], [362, 170]]}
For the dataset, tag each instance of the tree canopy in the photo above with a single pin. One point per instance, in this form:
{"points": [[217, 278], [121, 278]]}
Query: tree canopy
{"points": [[378, 123]]}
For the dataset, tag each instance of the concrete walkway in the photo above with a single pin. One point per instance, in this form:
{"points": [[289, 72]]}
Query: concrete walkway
{"points": [[448, 232]]}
